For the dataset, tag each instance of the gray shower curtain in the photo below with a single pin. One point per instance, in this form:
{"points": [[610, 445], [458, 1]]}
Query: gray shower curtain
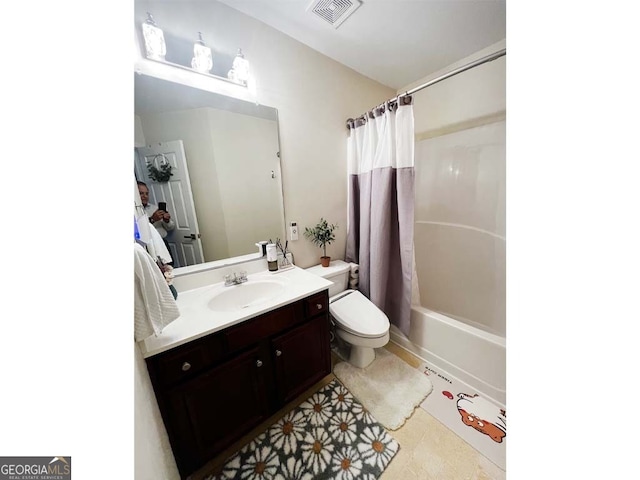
{"points": [[380, 157]]}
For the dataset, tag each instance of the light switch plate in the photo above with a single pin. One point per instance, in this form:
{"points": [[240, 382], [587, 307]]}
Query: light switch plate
{"points": [[293, 231]]}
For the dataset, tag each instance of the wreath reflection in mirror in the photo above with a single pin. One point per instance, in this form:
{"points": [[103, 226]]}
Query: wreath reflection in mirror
{"points": [[162, 174]]}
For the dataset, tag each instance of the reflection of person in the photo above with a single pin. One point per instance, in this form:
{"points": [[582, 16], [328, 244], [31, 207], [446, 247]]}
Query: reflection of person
{"points": [[158, 218]]}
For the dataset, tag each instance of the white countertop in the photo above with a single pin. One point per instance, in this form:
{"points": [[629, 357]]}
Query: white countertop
{"points": [[196, 320]]}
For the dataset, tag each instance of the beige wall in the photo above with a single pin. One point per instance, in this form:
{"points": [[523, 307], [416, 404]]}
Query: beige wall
{"points": [[251, 198], [460, 209]]}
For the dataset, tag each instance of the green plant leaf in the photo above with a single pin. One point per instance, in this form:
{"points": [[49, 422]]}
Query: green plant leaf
{"points": [[162, 175], [321, 235]]}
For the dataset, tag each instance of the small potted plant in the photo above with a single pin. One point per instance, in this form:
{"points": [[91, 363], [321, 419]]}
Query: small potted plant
{"points": [[322, 235]]}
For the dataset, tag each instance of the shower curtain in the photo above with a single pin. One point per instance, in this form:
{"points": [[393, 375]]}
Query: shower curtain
{"points": [[380, 158]]}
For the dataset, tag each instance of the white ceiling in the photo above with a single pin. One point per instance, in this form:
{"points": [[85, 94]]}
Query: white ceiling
{"points": [[395, 42]]}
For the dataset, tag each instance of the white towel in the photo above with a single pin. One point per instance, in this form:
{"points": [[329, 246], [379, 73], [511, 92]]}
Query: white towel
{"points": [[159, 248], [154, 305]]}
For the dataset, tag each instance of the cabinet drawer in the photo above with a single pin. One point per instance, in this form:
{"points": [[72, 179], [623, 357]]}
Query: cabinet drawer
{"points": [[184, 362], [256, 330], [316, 304]]}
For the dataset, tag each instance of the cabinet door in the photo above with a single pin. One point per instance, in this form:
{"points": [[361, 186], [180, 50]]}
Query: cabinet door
{"points": [[301, 357], [218, 407]]}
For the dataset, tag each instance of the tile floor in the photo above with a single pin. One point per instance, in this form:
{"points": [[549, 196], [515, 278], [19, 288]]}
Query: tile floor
{"points": [[428, 449]]}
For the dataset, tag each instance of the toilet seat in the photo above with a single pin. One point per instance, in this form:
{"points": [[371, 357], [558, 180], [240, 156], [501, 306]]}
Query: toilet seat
{"points": [[357, 315]]}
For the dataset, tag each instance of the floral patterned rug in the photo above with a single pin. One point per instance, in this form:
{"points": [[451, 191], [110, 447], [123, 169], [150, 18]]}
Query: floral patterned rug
{"points": [[328, 436]]}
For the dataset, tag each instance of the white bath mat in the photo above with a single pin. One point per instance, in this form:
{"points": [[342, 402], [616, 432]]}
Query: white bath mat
{"points": [[389, 388], [476, 420]]}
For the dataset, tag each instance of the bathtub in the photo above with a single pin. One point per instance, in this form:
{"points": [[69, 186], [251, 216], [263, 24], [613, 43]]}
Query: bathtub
{"points": [[473, 356]]}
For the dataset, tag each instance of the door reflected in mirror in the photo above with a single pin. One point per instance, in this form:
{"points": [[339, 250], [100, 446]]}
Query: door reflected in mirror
{"points": [[225, 189]]}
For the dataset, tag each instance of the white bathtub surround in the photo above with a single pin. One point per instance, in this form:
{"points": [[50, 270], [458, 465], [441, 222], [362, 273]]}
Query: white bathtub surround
{"points": [[473, 356], [389, 388], [380, 157], [460, 227]]}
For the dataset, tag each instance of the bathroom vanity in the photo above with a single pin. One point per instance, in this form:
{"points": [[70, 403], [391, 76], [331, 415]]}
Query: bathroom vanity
{"points": [[218, 371]]}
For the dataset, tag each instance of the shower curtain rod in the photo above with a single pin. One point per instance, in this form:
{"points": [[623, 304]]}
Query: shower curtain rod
{"points": [[489, 58], [468, 66]]}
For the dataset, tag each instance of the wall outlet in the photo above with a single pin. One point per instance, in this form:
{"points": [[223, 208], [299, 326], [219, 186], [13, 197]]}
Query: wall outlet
{"points": [[293, 231]]}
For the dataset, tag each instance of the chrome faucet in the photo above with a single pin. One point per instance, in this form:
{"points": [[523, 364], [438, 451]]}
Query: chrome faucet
{"points": [[235, 278]]}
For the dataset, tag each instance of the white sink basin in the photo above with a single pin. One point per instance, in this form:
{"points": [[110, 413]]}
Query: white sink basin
{"points": [[245, 295]]}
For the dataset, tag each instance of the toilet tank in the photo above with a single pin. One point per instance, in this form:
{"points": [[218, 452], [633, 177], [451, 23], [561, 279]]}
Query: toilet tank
{"points": [[337, 272]]}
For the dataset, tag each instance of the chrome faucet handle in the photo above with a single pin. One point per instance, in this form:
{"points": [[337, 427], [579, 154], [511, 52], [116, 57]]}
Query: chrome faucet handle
{"points": [[228, 280], [243, 277]]}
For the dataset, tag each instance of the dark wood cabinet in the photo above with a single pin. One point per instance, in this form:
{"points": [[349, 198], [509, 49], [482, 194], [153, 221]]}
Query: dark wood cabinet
{"points": [[217, 388], [300, 358]]}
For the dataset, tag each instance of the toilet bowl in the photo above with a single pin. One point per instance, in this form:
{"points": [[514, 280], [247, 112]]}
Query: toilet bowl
{"points": [[358, 322]]}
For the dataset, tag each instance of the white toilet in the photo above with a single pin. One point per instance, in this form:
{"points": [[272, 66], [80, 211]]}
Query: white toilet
{"points": [[358, 322]]}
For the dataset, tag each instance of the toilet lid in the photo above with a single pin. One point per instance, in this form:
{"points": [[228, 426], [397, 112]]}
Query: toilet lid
{"points": [[356, 314]]}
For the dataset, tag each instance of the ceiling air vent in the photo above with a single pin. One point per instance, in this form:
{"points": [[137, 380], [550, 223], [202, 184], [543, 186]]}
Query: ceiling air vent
{"points": [[333, 12]]}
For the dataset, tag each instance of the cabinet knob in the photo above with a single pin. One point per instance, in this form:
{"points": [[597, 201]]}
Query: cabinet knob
{"points": [[186, 366], [278, 353], [258, 363], [319, 305]]}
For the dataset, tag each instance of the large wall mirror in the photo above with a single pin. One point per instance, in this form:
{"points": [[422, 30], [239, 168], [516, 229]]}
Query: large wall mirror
{"points": [[225, 191]]}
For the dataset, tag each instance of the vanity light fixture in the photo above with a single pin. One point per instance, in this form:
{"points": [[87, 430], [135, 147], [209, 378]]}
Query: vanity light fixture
{"points": [[202, 60], [154, 43], [240, 70]]}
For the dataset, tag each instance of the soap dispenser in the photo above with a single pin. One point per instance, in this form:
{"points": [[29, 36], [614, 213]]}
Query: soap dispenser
{"points": [[272, 257]]}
